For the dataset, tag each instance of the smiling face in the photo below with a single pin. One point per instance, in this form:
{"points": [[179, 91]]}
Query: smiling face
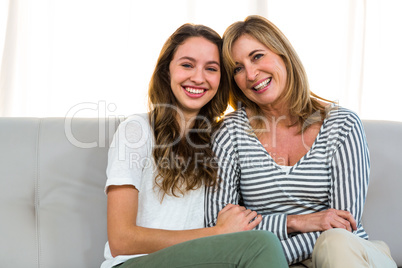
{"points": [[195, 74], [259, 73]]}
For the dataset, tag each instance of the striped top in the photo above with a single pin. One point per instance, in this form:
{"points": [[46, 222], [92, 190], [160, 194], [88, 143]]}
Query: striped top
{"points": [[333, 174]]}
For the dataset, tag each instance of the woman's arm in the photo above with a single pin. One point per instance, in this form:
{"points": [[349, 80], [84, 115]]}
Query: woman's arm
{"points": [[126, 238], [228, 189], [350, 170], [321, 221], [296, 248], [350, 166]]}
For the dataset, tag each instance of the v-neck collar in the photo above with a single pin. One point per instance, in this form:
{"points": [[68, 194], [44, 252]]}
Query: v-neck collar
{"points": [[280, 167]]}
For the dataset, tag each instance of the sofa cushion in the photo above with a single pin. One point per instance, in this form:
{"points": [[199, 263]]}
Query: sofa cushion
{"points": [[382, 217], [52, 179]]}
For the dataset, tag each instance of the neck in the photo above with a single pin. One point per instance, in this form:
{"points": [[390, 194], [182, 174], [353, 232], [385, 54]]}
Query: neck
{"points": [[185, 120], [278, 114]]}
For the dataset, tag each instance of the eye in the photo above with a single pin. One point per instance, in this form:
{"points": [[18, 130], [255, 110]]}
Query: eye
{"points": [[257, 56], [237, 69], [212, 69], [186, 65]]}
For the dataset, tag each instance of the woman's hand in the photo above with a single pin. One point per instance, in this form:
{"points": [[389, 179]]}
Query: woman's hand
{"points": [[235, 218], [321, 221]]}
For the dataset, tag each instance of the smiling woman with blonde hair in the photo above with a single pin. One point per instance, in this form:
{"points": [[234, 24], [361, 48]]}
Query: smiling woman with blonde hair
{"points": [[303, 104], [298, 160]]}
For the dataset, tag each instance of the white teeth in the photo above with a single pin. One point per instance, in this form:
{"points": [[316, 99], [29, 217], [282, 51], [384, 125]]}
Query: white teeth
{"points": [[194, 90], [262, 84]]}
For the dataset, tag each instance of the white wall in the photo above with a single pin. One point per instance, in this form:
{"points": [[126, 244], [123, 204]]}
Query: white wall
{"points": [[86, 57]]}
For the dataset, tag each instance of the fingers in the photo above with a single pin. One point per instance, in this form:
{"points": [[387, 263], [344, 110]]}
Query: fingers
{"points": [[250, 215], [252, 218], [354, 225], [352, 220], [340, 219], [238, 207], [244, 218], [254, 222], [347, 219], [341, 223], [227, 207]]}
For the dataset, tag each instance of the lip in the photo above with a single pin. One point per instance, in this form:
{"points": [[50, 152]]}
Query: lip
{"points": [[264, 88], [194, 95]]}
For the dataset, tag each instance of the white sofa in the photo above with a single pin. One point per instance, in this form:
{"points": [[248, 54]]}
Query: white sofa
{"points": [[52, 176]]}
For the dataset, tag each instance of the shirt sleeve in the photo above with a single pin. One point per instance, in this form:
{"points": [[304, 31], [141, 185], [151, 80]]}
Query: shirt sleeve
{"points": [[350, 166], [299, 247], [228, 189], [129, 152], [296, 248]]}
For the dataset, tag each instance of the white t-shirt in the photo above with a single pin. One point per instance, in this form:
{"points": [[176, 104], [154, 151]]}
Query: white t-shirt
{"points": [[130, 162]]}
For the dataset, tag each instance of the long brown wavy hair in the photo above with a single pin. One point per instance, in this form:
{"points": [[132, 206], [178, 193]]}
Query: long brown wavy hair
{"points": [[184, 162], [303, 103]]}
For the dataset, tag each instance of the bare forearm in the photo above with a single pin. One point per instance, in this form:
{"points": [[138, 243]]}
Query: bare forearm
{"points": [[132, 239], [140, 240], [321, 221]]}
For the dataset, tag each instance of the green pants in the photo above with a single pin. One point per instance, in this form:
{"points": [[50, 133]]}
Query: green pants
{"points": [[242, 249]]}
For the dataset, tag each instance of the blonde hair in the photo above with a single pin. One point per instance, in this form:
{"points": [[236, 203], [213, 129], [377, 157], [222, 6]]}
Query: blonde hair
{"points": [[171, 147], [303, 103]]}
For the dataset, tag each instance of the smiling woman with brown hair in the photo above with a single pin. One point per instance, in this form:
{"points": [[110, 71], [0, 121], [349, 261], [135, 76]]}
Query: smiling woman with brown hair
{"points": [[161, 162]]}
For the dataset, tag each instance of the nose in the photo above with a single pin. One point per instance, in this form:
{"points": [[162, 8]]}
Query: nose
{"points": [[251, 72], [198, 76]]}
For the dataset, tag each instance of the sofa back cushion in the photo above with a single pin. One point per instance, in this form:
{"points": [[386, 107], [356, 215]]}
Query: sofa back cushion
{"points": [[52, 176], [382, 217]]}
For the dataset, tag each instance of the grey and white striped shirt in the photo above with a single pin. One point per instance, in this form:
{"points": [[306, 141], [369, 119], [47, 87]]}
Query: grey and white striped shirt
{"points": [[333, 174]]}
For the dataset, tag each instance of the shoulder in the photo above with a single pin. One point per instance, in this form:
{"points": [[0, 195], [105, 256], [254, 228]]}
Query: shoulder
{"points": [[135, 129], [139, 119], [236, 122], [233, 123], [235, 127], [236, 118], [344, 116], [136, 120], [342, 122]]}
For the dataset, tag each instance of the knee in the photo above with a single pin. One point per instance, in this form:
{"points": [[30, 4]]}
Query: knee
{"points": [[264, 241], [335, 243], [335, 235], [335, 239], [267, 246], [263, 237], [257, 239], [341, 248]]}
